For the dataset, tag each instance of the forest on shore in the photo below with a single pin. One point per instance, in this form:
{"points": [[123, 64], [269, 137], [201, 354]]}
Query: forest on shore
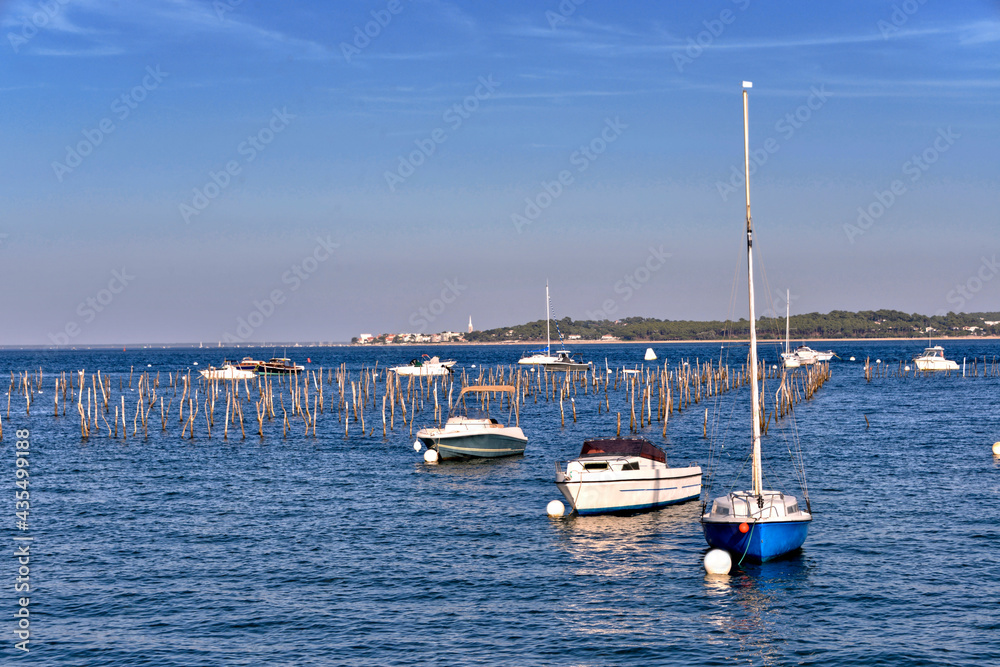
{"points": [[835, 324]]}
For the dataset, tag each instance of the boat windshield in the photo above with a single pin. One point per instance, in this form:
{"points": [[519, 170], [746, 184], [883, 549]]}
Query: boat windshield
{"points": [[623, 447]]}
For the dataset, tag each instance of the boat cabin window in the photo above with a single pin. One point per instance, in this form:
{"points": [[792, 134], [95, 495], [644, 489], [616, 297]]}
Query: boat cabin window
{"points": [[721, 510], [599, 465], [630, 465], [792, 509]]}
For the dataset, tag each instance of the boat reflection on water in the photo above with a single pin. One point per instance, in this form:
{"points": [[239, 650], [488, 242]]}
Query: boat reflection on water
{"points": [[749, 609], [614, 546]]}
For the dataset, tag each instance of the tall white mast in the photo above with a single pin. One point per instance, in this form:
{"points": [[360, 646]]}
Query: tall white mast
{"points": [[787, 315], [548, 319], [758, 474]]}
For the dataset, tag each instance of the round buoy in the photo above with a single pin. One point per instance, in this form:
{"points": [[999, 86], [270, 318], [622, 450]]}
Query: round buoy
{"points": [[416, 445], [744, 527], [878, 361], [852, 358], [996, 448], [430, 456], [906, 368], [718, 561], [555, 508], [196, 363]]}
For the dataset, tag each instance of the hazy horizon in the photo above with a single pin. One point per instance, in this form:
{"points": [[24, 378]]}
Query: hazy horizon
{"points": [[184, 171]]}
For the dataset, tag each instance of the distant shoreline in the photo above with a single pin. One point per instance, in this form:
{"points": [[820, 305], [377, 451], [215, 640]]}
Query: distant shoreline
{"points": [[291, 346], [684, 341]]}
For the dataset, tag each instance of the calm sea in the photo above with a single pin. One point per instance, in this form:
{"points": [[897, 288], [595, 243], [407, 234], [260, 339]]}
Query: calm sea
{"points": [[329, 550]]}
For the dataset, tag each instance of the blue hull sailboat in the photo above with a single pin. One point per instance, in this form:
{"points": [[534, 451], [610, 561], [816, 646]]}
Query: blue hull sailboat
{"points": [[755, 524]]}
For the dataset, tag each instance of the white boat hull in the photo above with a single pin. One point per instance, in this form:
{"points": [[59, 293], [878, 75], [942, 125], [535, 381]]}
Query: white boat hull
{"points": [[936, 364], [616, 490], [227, 373], [463, 438], [425, 370]]}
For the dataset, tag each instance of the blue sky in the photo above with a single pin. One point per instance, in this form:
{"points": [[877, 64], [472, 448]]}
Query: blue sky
{"points": [[170, 168]]}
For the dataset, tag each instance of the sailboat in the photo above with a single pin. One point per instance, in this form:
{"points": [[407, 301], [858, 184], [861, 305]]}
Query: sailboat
{"points": [[560, 360], [790, 359], [803, 354], [756, 524]]}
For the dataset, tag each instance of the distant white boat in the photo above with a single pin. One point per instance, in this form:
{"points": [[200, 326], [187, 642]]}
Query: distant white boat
{"points": [[789, 359], [561, 360], [424, 367], [227, 372], [933, 360]]}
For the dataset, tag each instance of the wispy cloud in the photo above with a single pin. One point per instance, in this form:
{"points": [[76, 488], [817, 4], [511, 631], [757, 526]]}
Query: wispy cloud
{"points": [[97, 28]]}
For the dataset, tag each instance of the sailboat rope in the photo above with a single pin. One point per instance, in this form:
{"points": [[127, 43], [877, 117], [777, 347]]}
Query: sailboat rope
{"points": [[562, 343]]}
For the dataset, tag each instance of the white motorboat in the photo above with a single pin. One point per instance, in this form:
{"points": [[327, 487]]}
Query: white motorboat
{"points": [[624, 476], [755, 523], [467, 435], [227, 372], [425, 366], [560, 360], [933, 360]]}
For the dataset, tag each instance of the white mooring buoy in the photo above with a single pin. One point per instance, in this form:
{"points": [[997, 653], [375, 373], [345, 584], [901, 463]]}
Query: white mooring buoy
{"points": [[430, 456], [996, 448], [555, 508], [852, 358], [718, 561], [416, 445]]}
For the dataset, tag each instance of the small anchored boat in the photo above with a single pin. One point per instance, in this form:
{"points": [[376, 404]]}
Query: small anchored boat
{"points": [[933, 360], [424, 366], [756, 524], [279, 366], [560, 360], [624, 475], [471, 432], [227, 372]]}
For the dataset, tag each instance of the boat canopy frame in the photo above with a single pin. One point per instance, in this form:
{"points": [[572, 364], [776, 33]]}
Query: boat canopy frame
{"points": [[623, 447]]}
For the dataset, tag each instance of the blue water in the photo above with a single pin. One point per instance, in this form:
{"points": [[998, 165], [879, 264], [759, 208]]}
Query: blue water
{"points": [[331, 551]]}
